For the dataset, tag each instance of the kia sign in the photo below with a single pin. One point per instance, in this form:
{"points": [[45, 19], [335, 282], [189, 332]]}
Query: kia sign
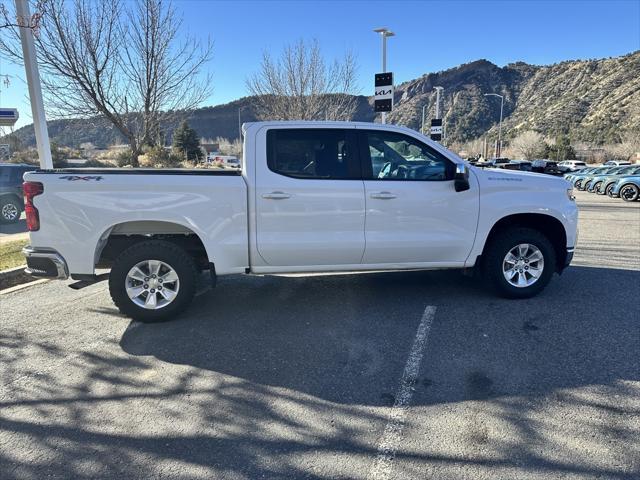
{"points": [[384, 92], [8, 117], [436, 129]]}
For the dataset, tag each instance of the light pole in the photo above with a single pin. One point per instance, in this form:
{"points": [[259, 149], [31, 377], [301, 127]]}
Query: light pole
{"points": [[423, 109], [438, 90], [384, 33], [33, 83], [240, 124], [500, 124]]}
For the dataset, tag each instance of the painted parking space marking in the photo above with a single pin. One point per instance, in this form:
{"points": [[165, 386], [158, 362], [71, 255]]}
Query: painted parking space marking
{"points": [[392, 436]]}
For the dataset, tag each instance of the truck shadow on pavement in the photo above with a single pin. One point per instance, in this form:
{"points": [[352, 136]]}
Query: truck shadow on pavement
{"points": [[345, 338], [272, 377]]}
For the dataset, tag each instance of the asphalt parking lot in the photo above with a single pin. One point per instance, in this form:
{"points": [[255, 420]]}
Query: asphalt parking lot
{"points": [[385, 375]]}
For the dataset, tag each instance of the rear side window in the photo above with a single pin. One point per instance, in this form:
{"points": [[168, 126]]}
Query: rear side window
{"points": [[311, 153]]}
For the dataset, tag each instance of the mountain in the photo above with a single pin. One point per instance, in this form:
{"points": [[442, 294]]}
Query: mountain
{"points": [[595, 101]]}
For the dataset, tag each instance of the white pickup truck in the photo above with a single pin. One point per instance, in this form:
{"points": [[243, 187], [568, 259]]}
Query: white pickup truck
{"points": [[310, 197]]}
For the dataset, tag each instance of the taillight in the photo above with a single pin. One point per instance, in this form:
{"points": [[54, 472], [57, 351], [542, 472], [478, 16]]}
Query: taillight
{"points": [[32, 189]]}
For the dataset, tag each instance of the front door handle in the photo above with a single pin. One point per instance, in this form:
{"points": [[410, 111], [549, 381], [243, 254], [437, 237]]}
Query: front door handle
{"points": [[276, 196], [383, 195]]}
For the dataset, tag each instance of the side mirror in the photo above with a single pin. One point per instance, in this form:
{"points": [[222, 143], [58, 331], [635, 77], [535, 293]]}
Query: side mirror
{"points": [[461, 179]]}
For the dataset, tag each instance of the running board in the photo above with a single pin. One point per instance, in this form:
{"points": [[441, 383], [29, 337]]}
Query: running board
{"points": [[86, 280]]}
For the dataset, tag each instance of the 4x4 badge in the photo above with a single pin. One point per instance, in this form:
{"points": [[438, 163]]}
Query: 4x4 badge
{"points": [[73, 178]]}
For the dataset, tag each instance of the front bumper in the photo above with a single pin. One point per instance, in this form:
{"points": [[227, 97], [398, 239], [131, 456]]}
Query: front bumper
{"points": [[568, 257], [43, 263]]}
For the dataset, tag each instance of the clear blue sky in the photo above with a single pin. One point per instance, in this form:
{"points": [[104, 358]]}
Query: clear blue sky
{"points": [[431, 35]]}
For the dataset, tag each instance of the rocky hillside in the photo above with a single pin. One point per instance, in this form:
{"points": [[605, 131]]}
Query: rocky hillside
{"points": [[596, 101]]}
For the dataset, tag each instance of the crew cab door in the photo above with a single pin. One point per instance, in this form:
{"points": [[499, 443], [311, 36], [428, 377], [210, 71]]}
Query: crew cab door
{"points": [[309, 197], [414, 215]]}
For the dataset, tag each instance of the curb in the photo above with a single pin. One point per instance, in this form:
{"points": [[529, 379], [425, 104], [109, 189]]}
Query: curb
{"points": [[14, 276]]}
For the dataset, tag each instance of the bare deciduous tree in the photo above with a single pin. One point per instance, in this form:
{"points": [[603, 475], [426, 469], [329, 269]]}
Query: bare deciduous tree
{"points": [[7, 20], [301, 85], [122, 61], [528, 145], [628, 147]]}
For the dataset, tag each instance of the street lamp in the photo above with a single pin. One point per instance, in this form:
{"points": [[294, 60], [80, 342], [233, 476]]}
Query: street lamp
{"points": [[384, 33], [423, 109], [240, 123], [500, 124], [438, 90]]}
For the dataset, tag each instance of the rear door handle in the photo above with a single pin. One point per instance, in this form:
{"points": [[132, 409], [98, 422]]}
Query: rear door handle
{"points": [[276, 196], [383, 195]]}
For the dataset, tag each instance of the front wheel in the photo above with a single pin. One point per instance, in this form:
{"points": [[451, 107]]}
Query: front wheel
{"points": [[609, 190], [153, 281], [519, 262], [630, 193]]}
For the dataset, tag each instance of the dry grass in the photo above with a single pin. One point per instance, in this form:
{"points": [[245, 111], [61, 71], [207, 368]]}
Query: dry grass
{"points": [[11, 254]]}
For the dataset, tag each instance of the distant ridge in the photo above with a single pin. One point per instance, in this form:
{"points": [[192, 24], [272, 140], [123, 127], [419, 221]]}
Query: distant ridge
{"points": [[596, 101]]}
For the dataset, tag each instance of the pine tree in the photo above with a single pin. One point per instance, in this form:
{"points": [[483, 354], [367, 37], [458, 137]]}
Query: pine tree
{"points": [[187, 142]]}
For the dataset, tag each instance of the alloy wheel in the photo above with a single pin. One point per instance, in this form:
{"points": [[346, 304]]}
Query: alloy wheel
{"points": [[523, 265], [152, 284], [10, 212]]}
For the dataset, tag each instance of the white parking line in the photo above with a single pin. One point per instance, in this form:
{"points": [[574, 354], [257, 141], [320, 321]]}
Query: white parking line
{"points": [[392, 435]]}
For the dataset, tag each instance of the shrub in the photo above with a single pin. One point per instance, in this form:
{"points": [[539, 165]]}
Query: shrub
{"points": [[160, 157]]}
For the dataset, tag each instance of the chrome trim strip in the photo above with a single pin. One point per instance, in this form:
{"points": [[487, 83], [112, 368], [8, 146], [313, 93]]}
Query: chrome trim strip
{"points": [[55, 257]]}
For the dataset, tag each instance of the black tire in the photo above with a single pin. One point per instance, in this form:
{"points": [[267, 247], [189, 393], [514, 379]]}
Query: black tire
{"points": [[596, 187], [578, 184], [10, 210], [629, 192], [501, 244], [608, 191], [180, 261]]}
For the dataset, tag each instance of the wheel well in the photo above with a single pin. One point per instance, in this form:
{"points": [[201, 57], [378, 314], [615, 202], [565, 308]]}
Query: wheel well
{"points": [[13, 196], [124, 235], [550, 226]]}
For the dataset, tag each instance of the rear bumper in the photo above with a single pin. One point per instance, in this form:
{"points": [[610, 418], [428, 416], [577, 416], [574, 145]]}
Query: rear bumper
{"points": [[45, 263]]}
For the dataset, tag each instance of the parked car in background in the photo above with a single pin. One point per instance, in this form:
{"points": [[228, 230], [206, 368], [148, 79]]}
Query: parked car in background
{"points": [[545, 166], [571, 166], [627, 188], [522, 165], [601, 183], [494, 162], [616, 163], [586, 182], [11, 202], [572, 176], [577, 177], [227, 160]]}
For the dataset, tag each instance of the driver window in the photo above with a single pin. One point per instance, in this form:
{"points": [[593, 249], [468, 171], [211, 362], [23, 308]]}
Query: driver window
{"points": [[395, 156]]}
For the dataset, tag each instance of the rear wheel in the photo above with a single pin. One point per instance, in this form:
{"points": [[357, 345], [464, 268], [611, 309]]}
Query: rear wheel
{"points": [[578, 184], [153, 281], [10, 210], [519, 262], [630, 192], [596, 187]]}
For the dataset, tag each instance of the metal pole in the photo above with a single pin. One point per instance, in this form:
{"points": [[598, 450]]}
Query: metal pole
{"points": [[239, 125], [500, 125], [437, 102], [33, 83], [422, 128], [384, 67]]}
